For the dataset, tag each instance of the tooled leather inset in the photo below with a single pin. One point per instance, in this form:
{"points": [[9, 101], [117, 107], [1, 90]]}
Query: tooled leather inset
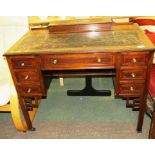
{"points": [[72, 41]]}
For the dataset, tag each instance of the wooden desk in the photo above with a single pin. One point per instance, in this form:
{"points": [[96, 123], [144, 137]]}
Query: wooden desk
{"points": [[86, 49]]}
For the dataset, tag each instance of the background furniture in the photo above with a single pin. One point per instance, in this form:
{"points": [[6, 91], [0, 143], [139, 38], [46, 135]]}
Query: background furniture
{"points": [[4, 84], [8, 97], [148, 25]]}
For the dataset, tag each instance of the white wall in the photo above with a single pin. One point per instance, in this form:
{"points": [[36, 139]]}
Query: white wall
{"points": [[11, 29]]}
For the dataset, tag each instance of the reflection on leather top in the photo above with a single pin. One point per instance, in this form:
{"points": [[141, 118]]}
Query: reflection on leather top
{"points": [[43, 41]]}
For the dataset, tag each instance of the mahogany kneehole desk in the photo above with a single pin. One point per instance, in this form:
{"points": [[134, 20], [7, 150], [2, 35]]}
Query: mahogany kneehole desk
{"points": [[125, 49]]}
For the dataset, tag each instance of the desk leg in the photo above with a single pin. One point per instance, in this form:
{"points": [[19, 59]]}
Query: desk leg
{"points": [[142, 109], [152, 127], [26, 115], [88, 90]]}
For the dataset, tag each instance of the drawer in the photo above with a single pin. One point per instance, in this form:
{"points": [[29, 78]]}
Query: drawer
{"points": [[30, 90], [23, 76], [135, 58], [78, 61], [131, 88], [23, 62], [131, 74]]}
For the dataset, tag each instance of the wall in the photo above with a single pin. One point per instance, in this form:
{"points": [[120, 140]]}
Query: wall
{"points": [[11, 29]]}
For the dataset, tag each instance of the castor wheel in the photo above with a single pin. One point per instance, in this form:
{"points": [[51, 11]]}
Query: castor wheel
{"points": [[33, 129]]}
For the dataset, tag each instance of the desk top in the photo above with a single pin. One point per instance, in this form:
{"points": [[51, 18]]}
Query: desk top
{"points": [[119, 38]]}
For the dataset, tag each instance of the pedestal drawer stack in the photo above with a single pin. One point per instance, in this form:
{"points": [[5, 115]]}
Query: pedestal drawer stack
{"points": [[26, 75], [132, 73]]}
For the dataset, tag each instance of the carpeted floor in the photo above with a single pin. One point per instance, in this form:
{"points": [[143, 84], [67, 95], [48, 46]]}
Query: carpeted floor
{"points": [[62, 116], [74, 129]]}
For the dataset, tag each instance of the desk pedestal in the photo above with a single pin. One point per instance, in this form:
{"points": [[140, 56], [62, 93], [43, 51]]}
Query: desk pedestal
{"points": [[89, 90]]}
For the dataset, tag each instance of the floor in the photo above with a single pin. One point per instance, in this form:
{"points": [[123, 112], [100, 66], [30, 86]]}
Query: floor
{"points": [[62, 116]]}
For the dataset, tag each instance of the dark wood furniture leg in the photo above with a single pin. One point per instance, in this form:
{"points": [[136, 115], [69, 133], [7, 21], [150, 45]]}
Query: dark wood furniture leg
{"points": [[26, 115], [152, 124], [152, 127], [142, 110], [88, 90]]}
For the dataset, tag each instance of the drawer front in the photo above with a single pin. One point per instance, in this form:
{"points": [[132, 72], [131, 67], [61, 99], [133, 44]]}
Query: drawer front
{"points": [[23, 76], [129, 59], [78, 61], [30, 90], [23, 63], [131, 89], [131, 74]]}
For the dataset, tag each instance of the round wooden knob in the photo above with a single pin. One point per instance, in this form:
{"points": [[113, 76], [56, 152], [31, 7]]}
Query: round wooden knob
{"points": [[29, 90], [131, 89], [99, 60], [134, 60], [55, 61], [133, 75], [22, 64], [26, 77]]}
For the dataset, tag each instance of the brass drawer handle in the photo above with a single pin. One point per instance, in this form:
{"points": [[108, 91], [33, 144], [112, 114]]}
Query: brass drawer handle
{"points": [[26, 77], [55, 61], [134, 60], [29, 90], [133, 75], [131, 89], [99, 60], [22, 64]]}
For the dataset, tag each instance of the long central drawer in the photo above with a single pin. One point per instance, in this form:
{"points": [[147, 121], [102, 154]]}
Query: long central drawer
{"points": [[78, 61]]}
